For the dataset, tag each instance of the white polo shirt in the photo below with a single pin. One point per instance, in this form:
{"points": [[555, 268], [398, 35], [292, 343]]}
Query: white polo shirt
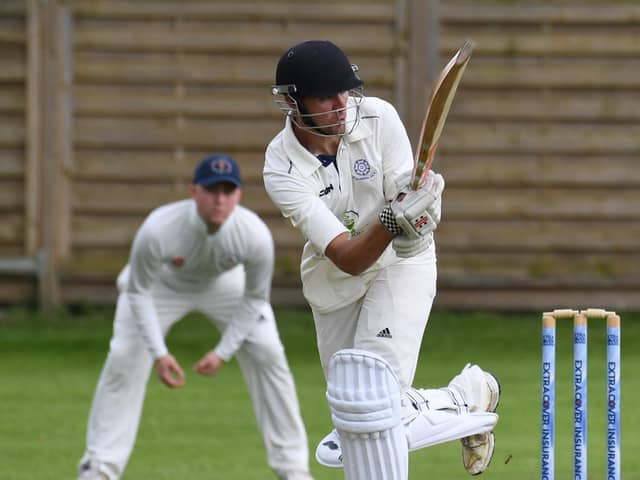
{"points": [[324, 201], [173, 247]]}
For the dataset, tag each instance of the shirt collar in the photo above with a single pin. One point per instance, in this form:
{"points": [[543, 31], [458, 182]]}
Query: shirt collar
{"points": [[195, 220], [200, 227], [361, 130], [305, 161]]}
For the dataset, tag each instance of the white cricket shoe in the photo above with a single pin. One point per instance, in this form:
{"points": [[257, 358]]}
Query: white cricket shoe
{"points": [[90, 470], [92, 474], [477, 450], [329, 452], [293, 475]]}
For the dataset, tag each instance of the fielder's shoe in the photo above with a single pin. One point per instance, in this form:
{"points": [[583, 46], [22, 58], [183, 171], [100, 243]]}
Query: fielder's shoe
{"points": [[92, 469], [477, 450], [89, 471], [293, 475]]}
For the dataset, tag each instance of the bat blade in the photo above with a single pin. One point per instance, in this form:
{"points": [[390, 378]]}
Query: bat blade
{"points": [[437, 110]]}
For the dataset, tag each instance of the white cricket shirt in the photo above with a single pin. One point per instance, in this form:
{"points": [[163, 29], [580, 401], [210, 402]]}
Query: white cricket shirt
{"points": [[324, 201], [173, 247]]}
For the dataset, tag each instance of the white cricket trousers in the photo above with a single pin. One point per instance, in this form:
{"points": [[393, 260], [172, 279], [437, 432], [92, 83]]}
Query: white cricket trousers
{"points": [[389, 320], [117, 404]]}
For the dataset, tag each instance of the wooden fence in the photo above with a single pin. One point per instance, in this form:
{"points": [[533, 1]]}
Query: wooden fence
{"points": [[106, 107]]}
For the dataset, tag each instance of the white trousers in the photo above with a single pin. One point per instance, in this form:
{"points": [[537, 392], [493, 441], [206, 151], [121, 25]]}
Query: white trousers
{"points": [[388, 320], [118, 400]]}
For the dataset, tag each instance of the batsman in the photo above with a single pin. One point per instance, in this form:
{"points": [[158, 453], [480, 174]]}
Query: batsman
{"points": [[340, 171]]}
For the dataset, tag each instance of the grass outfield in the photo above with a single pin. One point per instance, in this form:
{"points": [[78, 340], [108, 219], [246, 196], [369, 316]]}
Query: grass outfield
{"points": [[49, 368]]}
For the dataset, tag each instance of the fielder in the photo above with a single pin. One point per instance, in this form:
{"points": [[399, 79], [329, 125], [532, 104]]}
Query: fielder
{"points": [[205, 254], [340, 171]]}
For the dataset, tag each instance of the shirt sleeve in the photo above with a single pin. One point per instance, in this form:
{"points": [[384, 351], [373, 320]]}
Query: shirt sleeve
{"points": [[254, 305], [296, 200], [145, 260]]}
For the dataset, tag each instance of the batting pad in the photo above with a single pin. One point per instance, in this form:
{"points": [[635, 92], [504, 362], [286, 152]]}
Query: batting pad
{"points": [[364, 398], [431, 417]]}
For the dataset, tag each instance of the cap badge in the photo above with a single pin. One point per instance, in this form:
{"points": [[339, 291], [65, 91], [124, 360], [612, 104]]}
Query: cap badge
{"points": [[221, 166]]}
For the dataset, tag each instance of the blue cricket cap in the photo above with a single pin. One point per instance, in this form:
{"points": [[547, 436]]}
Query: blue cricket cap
{"points": [[217, 168]]}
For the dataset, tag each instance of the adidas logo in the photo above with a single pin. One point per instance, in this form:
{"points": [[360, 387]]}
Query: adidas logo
{"points": [[384, 333]]}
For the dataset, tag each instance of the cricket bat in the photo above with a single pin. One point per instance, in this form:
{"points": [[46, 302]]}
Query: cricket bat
{"points": [[437, 110]]}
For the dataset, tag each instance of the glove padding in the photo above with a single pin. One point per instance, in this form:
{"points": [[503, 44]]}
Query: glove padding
{"points": [[417, 212], [406, 247]]}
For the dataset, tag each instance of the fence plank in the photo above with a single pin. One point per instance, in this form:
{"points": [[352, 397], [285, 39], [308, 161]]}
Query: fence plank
{"points": [[11, 229], [12, 32], [235, 37], [11, 163], [153, 68], [128, 166], [528, 235], [540, 138], [506, 170], [592, 41], [528, 13], [12, 99], [548, 105], [12, 68], [532, 299], [11, 195], [229, 102], [562, 73], [521, 269], [522, 203], [342, 12], [12, 132], [17, 289], [158, 132]]}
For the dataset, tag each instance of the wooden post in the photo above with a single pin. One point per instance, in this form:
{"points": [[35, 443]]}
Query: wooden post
{"points": [[401, 95], [180, 119], [36, 239], [48, 144], [64, 134], [34, 129], [423, 60], [49, 287]]}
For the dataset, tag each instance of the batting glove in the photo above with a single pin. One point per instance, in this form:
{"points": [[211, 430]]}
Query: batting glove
{"points": [[415, 213]]}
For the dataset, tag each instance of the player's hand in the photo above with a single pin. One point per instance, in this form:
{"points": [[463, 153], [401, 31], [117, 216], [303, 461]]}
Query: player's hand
{"points": [[415, 213], [169, 371], [209, 365], [406, 247]]}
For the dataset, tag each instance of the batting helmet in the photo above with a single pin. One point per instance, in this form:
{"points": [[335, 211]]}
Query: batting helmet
{"points": [[316, 68]]}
